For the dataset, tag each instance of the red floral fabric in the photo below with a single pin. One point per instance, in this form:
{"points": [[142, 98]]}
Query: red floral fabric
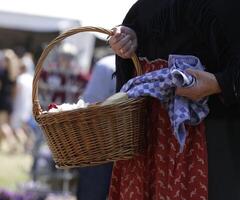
{"points": [[162, 172]]}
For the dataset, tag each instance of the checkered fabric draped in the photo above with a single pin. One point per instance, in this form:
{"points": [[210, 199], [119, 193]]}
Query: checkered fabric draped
{"points": [[161, 84]]}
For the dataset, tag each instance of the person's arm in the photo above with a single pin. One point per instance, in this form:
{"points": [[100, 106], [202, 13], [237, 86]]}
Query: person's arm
{"points": [[225, 76]]}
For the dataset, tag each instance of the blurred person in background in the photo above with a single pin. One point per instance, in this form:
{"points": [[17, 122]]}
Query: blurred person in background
{"points": [[58, 82], [94, 181], [8, 72], [22, 107], [27, 59]]}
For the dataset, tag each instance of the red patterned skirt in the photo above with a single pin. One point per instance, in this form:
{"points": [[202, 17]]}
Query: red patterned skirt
{"points": [[162, 172]]}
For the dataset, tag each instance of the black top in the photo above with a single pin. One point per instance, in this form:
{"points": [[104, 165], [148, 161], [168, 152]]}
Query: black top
{"points": [[202, 28], [6, 91]]}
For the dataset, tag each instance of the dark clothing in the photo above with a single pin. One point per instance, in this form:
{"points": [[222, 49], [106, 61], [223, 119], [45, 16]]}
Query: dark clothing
{"points": [[223, 159], [6, 91], [208, 30], [100, 175]]}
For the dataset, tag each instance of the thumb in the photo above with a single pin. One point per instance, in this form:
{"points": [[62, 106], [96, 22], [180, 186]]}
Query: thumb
{"points": [[193, 72], [116, 30]]}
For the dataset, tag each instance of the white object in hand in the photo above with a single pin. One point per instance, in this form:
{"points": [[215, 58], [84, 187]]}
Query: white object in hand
{"points": [[116, 98]]}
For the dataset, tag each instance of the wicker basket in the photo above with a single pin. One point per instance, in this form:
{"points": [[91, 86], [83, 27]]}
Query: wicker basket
{"points": [[93, 135]]}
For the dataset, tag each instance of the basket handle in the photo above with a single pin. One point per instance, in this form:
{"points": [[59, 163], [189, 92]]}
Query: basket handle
{"points": [[37, 110]]}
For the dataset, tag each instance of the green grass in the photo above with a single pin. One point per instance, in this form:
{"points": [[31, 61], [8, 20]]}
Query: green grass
{"points": [[14, 169]]}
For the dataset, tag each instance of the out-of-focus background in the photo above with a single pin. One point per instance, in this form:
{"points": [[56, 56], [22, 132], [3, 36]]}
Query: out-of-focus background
{"points": [[27, 170]]}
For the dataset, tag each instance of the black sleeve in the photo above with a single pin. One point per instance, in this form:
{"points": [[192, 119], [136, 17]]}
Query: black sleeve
{"points": [[204, 17], [229, 81]]}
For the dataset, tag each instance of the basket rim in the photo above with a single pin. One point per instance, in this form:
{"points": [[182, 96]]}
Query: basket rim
{"points": [[90, 108]]}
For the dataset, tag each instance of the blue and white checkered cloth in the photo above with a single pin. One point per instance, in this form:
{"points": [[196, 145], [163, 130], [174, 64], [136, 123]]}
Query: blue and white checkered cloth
{"points": [[161, 84]]}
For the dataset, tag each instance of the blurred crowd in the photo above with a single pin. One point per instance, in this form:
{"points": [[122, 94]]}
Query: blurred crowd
{"points": [[16, 74], [60, 81]]}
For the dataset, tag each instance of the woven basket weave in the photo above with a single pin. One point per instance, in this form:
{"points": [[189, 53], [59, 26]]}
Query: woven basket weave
{"points": [[92, 135]]}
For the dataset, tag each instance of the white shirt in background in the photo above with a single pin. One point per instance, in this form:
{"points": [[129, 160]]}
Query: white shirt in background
{"points": [[102, 83], [22, 106]]}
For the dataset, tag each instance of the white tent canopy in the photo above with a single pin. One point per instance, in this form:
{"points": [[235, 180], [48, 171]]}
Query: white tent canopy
{"points": [[104, 13], [35, 23]]}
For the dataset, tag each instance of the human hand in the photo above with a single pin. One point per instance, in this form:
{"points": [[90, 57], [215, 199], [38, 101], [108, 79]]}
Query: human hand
{"points": [[205, 85], [123, 41]]}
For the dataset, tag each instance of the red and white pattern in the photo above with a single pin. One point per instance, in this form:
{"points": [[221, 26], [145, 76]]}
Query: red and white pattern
{"points": [[162, 172]]}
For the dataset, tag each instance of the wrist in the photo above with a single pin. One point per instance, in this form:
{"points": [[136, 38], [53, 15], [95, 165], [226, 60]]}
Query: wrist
{"points": [[215, 87]]}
